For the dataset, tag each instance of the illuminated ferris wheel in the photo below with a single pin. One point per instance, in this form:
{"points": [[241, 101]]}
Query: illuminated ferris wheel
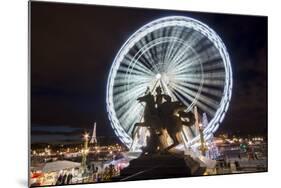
{"points": [[182, 55]]}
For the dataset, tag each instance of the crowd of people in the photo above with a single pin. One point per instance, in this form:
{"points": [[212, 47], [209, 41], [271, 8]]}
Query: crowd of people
{"points": [[64, 178], [105, 175]]}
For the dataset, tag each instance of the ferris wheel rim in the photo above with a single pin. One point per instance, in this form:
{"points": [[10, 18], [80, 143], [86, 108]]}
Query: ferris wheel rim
{"points": [[149, 27]]}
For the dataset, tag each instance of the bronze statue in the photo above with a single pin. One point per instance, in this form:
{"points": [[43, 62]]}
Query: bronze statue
{"points": [[168, 115], [159, 96], [171, 114], [151, 122]]}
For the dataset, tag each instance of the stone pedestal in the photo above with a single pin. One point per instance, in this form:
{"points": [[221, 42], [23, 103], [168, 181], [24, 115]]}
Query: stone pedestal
{"points": [[160, 166]]}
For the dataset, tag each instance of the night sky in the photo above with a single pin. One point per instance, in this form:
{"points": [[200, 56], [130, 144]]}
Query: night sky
{"points": [[73, 47]]}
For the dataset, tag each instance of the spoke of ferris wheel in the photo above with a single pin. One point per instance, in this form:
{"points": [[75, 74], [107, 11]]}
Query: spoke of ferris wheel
{"points": [[122, 96], [183, 51], [202, 45], [166, 64], [131, 120], [212, 65], [122, 102], [134, 72], [191, 97], [122, 85], [146, 55], [141, 63], [176, 32], [140, 68], [205, 89], [170, 48], [193, 56], [187, 64], [153, 88], [125, 85], [158, 49], [160, 52], [201, 104], [160, 45], [151, 59], [164, 46], [210, 82], [185, 102], [192, 74], [187, 91], [210, 53], [177, 96], [123, 78], [211, 75], [133, 90], [204, 59], [133, 64], [184, 64], [122, 108], [190, 42], [154, 44], [126, 107], [162, 49], [153, 56], [133, 93], [131, 115], [182, 54], [168, 91], [169, 51], [177, 52], [207, 100]]}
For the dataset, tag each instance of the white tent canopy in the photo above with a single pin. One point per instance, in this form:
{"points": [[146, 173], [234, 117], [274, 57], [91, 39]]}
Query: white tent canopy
{"points": [[59, 165]]}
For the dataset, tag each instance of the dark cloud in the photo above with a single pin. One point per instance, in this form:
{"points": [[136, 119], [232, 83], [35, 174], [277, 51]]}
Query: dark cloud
{"points": [[73, 46]]}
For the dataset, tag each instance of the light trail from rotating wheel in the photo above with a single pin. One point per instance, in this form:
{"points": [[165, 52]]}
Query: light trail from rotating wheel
{"points": [[183, 55]]}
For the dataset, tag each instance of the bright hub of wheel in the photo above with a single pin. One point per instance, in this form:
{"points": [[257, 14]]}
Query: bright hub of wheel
{"points": [[182, 55]]}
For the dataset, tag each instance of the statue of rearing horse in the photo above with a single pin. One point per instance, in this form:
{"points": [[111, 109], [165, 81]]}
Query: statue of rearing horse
{"points": [[168, 115]]}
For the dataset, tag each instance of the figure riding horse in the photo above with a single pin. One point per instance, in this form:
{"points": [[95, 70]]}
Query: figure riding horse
{"points": [[168, 115]]}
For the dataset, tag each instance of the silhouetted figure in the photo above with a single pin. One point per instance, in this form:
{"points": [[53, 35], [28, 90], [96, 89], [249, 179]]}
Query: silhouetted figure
{"points": [[256, 156], [64, 179], [159, 96], [59, 180], [69, 178], [237, 165]]}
